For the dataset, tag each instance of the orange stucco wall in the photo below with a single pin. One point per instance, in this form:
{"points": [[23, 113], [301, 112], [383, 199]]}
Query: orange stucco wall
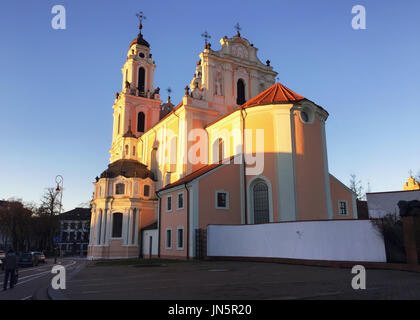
{"points": [[225, 178], [340, 192], [173, 219], [311, 198]]}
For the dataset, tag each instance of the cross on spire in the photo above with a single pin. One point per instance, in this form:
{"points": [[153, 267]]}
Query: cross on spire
{"points": [[140, 15], [238, 29], [206, 37], [169, 90]]}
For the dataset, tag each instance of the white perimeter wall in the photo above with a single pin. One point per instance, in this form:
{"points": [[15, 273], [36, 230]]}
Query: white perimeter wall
{"points": [[336, 240], [146, 242]]}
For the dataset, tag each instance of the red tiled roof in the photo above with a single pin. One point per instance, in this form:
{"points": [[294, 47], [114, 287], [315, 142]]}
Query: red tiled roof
{"points": [[277, 93], [192, 176]]}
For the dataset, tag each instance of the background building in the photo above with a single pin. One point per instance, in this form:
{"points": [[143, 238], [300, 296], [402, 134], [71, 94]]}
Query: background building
{"points": [[74, 231], [381, 204]]}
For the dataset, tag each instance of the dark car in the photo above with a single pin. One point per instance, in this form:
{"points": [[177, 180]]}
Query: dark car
{"points": [[28, 260], [40, 255], [2, 258]]}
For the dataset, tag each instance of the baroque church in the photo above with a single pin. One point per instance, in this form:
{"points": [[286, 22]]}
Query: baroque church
{"points": [[240, 148]]}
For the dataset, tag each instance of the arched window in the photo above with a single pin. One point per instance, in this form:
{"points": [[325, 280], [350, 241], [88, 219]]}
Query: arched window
{"points": [[240, 91], [140, 122], [261, 205], [117, 220], [141, 78], [126, 150], [218, 150], [119, 123], [119, 189], [134, 150]]}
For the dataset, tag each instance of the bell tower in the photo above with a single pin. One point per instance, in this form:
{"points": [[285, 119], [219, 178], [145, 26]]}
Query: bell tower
{"points": [[137, 106]]}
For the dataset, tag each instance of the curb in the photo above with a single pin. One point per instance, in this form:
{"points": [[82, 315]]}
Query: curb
{"points": [[324, 263]]}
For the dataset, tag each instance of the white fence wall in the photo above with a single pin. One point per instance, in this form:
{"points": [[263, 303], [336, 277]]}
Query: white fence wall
{"points": [[146, 242], [344, 240]]}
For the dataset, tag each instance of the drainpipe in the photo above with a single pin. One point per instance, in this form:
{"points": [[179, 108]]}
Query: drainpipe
{"points": [[159, 210], [188, 221], [244, 163]]}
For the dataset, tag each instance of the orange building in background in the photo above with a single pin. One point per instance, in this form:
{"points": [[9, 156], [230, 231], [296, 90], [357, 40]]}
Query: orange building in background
{"points": [[238, 149]]}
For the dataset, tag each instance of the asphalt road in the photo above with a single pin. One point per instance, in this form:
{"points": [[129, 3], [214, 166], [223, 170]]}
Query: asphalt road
{"points": [[33, 282], [225, 280]]}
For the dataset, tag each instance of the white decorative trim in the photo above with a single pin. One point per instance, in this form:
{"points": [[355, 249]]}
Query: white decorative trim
{"points": [[347, 208], [328, 198], [250, 198], [227, 200], [354, 204], [177, 200], [308, 108], [183, 238], [166, 239], [166, 203]]}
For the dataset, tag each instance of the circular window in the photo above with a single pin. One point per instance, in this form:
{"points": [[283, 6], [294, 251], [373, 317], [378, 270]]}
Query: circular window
{"points": [[141, 55], [307, 115]]}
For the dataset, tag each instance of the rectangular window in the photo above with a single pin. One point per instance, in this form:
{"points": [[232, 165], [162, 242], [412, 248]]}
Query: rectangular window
{"points": [[222, 200], [180, 239], [180, 201], [168, 239], [169, 203], [342, 208], [146, 191]]}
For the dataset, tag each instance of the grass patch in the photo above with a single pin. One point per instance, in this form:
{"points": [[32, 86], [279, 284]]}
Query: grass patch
{"points": [[134, 262]]}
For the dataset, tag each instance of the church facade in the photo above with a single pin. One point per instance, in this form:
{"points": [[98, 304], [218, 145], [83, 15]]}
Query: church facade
{"points": [[238, 149]]}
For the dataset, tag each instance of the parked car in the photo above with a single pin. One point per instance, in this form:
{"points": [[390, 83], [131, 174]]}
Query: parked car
{"points": [[2, 257], [28, 260], [40, 255]]}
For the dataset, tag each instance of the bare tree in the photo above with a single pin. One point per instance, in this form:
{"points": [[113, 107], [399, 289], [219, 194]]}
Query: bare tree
{"points": [[356, 186], [15, 222], [47, 222], [50, 202]]}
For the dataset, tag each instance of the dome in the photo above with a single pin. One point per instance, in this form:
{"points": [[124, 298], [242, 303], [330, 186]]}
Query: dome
{"points": [[140, 40], [128, 169]]}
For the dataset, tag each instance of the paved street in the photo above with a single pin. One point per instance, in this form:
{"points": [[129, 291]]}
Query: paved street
{"points": [[33, 282], [236, 280]]}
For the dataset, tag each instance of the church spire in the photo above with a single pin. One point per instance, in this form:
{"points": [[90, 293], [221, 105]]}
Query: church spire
{"points": [[140, 40]]}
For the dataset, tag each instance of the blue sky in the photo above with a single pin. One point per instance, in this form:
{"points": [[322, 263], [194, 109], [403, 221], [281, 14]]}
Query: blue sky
{"points": [[57, 86]]}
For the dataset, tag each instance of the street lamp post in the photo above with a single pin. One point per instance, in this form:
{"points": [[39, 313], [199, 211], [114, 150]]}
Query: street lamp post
{"points": [[60, 184], [60, 187]]}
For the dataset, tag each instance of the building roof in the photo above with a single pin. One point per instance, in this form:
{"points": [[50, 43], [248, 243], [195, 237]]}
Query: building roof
{"points": [[76, 214], [127, 168], [276, 94], [191, 176], [152, 226]]}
